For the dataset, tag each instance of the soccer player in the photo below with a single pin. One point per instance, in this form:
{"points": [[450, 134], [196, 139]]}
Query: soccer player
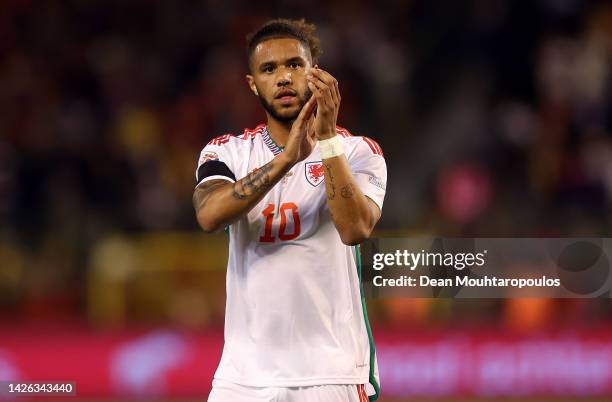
{"points": [[298, 194]]}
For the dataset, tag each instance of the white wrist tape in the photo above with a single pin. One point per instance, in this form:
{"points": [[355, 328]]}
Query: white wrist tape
{"points": [[331, 147]]}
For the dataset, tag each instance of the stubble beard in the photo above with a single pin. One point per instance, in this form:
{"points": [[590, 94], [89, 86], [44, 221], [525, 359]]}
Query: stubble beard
{"points": [[286, 118]]}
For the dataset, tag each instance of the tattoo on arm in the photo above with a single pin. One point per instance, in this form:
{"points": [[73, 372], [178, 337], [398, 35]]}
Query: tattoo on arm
{"points": [[253, 182], [347, 191], [236, 194], [332, 194], [202, 193], [330, 178]]}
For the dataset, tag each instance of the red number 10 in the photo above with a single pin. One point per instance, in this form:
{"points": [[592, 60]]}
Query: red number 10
{"points": [[269, 214]]}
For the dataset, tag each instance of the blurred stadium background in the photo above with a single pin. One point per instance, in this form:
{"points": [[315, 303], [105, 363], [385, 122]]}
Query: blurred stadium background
{"points": [[495, 117]]}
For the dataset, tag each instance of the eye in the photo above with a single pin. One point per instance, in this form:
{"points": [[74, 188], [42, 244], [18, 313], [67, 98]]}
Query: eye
{"points": [[294, 65], [268, 69]]}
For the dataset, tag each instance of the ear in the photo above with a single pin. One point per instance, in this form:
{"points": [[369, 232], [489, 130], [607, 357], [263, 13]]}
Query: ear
{"points": [[251, 82]]}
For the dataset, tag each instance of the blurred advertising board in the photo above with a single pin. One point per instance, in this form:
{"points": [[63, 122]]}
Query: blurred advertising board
{"points": [[172, 363]]}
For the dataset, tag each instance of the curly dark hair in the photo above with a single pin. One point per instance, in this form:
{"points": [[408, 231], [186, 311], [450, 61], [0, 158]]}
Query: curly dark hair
{"points": [[285, 28]]}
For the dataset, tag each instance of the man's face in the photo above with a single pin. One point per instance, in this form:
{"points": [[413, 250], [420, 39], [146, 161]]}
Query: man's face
{"points": [[278, 77]]}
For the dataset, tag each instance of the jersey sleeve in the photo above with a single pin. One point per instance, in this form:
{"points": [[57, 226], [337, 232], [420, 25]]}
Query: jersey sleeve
{"points": [[216, 161], [369, 168]]}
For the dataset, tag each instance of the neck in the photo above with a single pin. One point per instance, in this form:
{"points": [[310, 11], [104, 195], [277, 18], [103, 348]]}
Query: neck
{"points": [[279, 131]]}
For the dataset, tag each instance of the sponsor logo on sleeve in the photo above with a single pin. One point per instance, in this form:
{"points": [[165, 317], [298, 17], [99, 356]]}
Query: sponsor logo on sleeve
{"points": [[209, 156], [377, 182]]}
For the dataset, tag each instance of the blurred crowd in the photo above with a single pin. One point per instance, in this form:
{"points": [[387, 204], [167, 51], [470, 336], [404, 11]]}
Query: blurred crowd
{"points": [[495, 117]]}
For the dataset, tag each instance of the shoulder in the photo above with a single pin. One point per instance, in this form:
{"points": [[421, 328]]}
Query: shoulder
{"points": [[237, 139], [359, 143], [230, 141], [230, 147]]}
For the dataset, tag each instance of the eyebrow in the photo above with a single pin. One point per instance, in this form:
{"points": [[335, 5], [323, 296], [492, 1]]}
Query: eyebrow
{"points": [[293, 59]]}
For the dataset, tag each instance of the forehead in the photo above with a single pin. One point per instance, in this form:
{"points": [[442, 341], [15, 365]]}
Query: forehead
{"points": [[279, 49]]}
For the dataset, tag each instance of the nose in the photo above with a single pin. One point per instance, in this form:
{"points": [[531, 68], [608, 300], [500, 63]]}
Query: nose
{"points": [[284, 78]]}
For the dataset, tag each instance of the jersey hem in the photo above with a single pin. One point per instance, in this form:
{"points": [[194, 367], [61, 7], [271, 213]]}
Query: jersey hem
{"points": [[304, 382]]}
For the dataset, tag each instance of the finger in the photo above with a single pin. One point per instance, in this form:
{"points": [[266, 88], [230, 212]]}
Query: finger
{"points": [[336, 91], [323, 75], [311, 106], [311, 128], [306, 111], [321, 91], [320, 80], [316, 93], [330, 81]]}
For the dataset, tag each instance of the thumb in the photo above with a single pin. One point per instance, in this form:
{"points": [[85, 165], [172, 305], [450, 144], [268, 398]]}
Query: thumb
{"points": [[310, 128], [306, 111]]}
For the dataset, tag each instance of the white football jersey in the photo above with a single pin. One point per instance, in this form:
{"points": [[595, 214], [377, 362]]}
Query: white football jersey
{"points": [[294, 313]]}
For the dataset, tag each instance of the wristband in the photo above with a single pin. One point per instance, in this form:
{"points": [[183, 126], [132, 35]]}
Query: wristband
{"points": [[331, 147]]}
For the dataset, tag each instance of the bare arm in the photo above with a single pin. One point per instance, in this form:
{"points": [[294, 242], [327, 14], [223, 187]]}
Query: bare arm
{"points": [[219, 203], [353, 214]]}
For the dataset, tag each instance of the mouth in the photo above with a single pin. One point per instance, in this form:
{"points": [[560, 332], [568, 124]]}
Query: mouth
{"points": [[286, 95]]}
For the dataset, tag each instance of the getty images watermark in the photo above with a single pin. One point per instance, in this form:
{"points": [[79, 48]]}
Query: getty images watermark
{"points": [[487, 268]]}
